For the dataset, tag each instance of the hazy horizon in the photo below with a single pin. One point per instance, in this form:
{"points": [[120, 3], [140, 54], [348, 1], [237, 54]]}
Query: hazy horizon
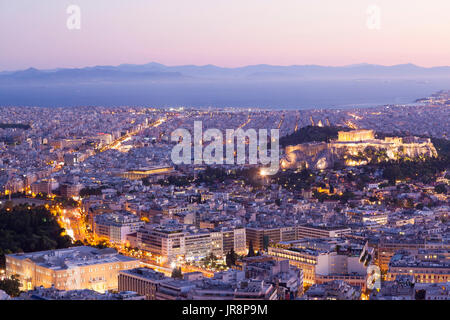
{"points": [[225, 67], [224, 33], [253, 53]]}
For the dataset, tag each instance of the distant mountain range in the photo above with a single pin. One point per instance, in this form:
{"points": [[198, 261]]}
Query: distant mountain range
{"points": [[129, 73]]}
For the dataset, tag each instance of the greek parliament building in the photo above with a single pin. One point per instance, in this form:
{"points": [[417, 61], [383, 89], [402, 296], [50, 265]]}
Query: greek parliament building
{"points": [[70, 269]]}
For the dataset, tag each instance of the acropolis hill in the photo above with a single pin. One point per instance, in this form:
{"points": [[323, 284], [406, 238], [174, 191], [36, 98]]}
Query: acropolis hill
{"points": [[356, 147]]}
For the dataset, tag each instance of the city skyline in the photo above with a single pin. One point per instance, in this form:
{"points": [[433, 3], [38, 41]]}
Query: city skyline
{"points": [[357, 211]]}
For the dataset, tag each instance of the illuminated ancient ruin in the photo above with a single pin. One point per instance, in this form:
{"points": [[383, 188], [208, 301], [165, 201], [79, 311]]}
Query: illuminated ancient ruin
{"points": [[356, 147]]}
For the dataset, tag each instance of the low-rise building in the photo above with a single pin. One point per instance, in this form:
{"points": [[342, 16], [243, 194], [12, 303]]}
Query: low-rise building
{"points": [[144, 281], [334, 290], [426, 266], [69, 269], [41, 293]]}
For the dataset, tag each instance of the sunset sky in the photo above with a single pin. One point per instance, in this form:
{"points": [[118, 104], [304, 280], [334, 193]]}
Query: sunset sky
{"points": [[226, 33]]}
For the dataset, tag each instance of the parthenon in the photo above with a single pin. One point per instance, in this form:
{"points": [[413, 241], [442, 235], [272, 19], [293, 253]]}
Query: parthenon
{"points": [[320, 155]]}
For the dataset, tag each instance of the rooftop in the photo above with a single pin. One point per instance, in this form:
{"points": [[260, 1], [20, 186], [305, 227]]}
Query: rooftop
{"points": [[62, 259]]}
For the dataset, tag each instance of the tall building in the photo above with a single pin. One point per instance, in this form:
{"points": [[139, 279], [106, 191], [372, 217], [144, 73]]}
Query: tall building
{"points": [[323, 262], [44, 186], [172, 241], [165, 241], [262, 237], [227, 238], [116, 226], [197, 244], [69, 190], [311, 231]]}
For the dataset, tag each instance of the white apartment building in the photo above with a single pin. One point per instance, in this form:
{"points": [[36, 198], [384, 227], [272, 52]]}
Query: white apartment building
{"points": [[116, 226]]}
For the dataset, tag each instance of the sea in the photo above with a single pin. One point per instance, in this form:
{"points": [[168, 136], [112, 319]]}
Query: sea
{"points": [[297, 94]]}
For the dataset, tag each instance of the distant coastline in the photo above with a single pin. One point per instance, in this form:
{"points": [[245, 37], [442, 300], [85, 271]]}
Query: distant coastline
{"points": [[262, 86]]}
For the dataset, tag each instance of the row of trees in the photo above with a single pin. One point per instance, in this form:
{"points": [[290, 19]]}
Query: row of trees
{"points": [[85, 192], [312, 134], [424, 171], [15, 126], [293, 180], [28, 229], [371, 154], [232, 257], [343, 198], [11, 286], [213, 175]]}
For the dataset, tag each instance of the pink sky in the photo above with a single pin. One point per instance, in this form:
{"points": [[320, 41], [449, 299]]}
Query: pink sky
{"points": [[223, 32]]}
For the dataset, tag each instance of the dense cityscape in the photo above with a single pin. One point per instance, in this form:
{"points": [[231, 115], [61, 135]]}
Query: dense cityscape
{"points": [[93, 208], [230, 159]]}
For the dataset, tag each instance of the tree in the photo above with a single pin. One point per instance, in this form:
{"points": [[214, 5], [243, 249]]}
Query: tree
{"points": [[440, 188], [346, 196], [231, 258], [420, 294], [419, 206], [211, 257], [8, 205], [177, 273], [102, 244], [11, 286], [24, 229], [312, 134], [331, 189], [78, 243], [15, 126], [210, 260], [85, 192], [392, 173], [146, 182], [251, 251]]}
